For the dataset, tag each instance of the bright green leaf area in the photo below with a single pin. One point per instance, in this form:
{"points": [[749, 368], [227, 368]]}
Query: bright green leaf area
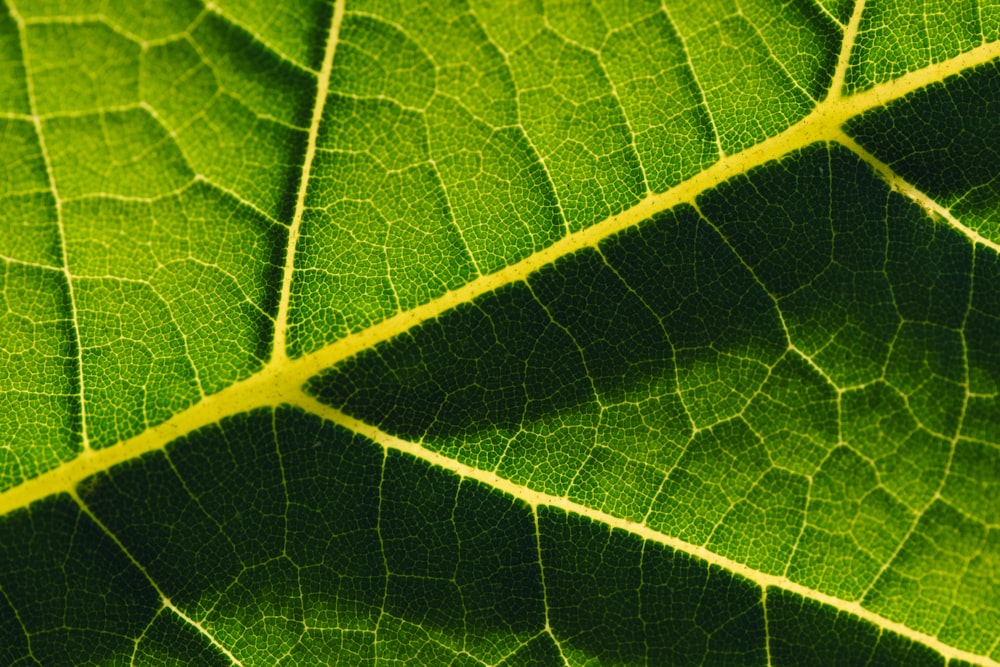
{"points": [[499, 333]]}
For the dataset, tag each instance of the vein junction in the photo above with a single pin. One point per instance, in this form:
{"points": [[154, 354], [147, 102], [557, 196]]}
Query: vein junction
{"points": [[281, 379]]}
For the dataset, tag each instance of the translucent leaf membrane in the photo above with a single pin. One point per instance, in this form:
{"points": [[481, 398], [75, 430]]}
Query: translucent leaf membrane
{"points": [[287, 540], [39, 382], [756, 421], [460, 139], [780, 375], [149, 168], [896, 37], [944, 140]]}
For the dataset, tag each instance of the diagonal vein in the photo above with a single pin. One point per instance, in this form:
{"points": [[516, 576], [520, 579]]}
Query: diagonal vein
{"points": [[282, 378], [913, 193], [322, 93], [163, 598], [823, 124], [535, 498]]}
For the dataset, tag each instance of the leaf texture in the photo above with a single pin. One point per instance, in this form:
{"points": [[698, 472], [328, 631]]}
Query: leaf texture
{"points": [[473, 332]]}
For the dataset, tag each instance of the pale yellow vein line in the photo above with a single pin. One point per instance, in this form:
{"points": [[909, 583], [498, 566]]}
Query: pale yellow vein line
{"points": [[164, 600], [281, 380], [535, 498], [702, 98], [232, 20], [890, 91], [284, 377], [201, 630], [322, 92], [545, 594], [767, 625], [910, 191], [258, 390], [64, 252], [24, 628], [823, 124], [818, 4], [846, 48]]}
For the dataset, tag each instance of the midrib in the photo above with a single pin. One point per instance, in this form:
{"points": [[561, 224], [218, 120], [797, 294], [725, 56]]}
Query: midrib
{"points": [[823, 124], [281, 380], [282, 377]]}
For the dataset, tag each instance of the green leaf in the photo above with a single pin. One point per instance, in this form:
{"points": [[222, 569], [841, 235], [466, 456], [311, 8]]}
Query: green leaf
{"points": [[499, 333]]}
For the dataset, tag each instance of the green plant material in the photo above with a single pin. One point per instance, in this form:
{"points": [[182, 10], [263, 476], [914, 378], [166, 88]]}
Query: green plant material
{"points": [[499, 333]]}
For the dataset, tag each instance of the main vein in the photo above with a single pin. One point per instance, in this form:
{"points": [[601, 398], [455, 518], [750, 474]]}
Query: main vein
{"points": [[283, 377], [824, 124]]}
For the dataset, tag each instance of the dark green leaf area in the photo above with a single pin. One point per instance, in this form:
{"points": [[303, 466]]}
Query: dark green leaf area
{"points": [[170, 641], [460, 558], [67, 593], [894, 39], [285, 540], [288, 539], [982, 416], [779, 374], [541, 651], [621, 346], [804, 632], [83, 601], [945, 140], [629, 602]]}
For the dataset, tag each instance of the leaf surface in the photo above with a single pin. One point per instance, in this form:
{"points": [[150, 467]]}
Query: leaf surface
{"points": [[500, 333]]}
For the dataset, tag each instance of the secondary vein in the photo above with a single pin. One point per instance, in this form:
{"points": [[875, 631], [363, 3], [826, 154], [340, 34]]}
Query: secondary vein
{"points": [[322, 92], [63, 250], [283, 377], [535, 498]]}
